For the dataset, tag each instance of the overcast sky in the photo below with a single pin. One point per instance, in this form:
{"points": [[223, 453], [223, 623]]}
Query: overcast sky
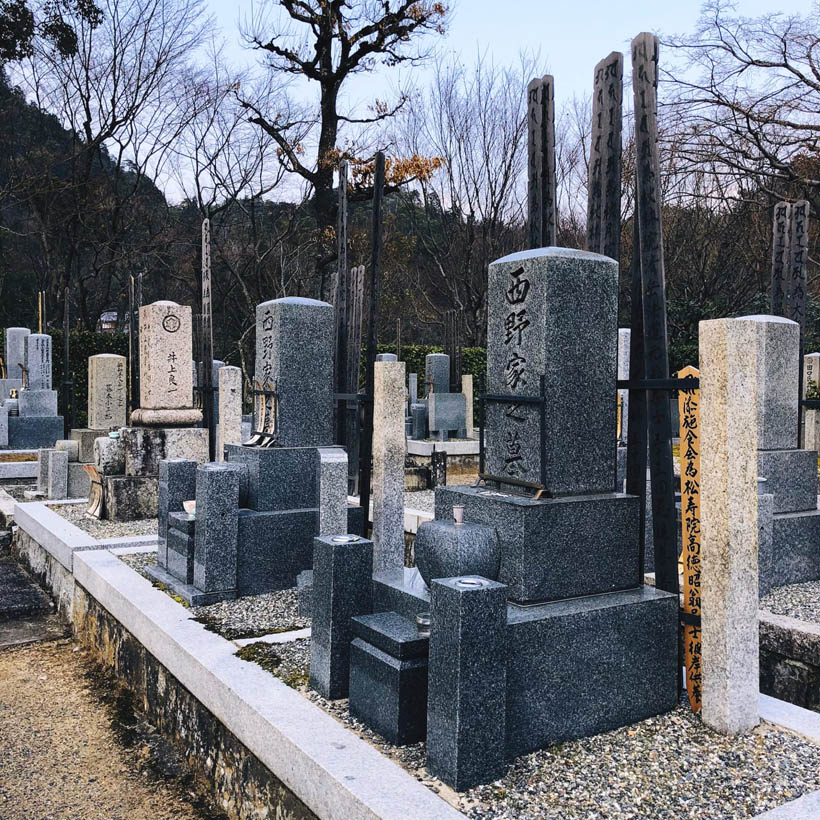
{"points": [[571, 35]]}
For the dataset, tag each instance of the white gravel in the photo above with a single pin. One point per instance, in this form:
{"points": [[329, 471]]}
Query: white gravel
{"points": [[100, 529], [801, 601]]}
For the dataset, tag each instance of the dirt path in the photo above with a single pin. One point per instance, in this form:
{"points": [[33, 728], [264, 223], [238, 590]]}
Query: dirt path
{"points": [[66, 755]]}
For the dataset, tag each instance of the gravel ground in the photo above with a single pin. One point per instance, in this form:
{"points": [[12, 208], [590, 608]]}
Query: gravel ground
{"points": [[75, 513], [669, 767], [16, 490], [65, 756], [420, 500], [800, 601], [248, 617]]}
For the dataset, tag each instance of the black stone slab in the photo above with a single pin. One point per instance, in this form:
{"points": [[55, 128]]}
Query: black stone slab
{"points": [[581, 667], [795, 548], [392, 633], [388, 694], [34, 432], [791, 477], [180, 555], [279, 478], [182, 522], [273, 548], [555, 548]]}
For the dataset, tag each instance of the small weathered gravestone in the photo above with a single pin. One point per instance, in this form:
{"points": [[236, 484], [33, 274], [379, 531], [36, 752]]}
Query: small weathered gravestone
{"points": [[107, 389], [229, 408], [15, 351]]}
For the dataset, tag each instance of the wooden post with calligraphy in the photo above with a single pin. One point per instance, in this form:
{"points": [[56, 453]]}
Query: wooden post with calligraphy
{"points": [[689, 407], [780, 253], [797, 283], [604, 194], [659, 426], [342, 314], [541, 196], [207, 342]]}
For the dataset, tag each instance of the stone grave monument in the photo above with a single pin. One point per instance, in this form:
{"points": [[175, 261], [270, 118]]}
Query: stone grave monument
{"points": [[258, 511], [165, 426], [28, 405], [540, 629], [107, 402]]}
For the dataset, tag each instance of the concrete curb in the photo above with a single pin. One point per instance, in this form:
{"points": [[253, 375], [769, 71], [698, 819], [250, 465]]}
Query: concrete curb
{"points": [[58, 537], [333, 771]]}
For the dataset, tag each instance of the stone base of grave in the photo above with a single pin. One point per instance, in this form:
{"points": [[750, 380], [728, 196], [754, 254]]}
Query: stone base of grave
{"points": [[543, 543], [791, 477], [85, 438], [189, 593], [795, 549], [185, 417], [34, 432], [129, 498], [145, 447], [576, 667]]}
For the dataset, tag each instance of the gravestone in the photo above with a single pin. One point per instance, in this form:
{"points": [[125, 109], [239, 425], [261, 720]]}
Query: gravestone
{"points": [[624, 342], [15, 351], [294, 353], [467, 390], [437, 373], [38, 361], [543, 306], [106, 391]]}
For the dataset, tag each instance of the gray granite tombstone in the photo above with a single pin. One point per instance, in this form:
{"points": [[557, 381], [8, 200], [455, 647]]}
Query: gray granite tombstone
{"points": [[38, 361], [177, 483], [437, 373], [294, 354], [15, 350]]}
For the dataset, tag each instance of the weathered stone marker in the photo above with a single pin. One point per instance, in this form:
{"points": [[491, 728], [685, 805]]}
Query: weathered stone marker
{"points": [[15, 351], [542, 306], [742, 363], [294, 353], [106, 391], [388, 466], [38, 361]]}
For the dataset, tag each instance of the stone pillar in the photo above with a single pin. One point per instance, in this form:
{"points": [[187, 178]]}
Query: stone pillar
{"points": [[166, 374], [624, 341], [38, 361], [466, 701], [467, 389], [412, 389], [332, 470], [388, 466], [437, 371], [15, 350], [177, 483], [812, 430], [553, 312], [57, 475], [743, 363], [230, 409], [342, 588], [106, 392], [294, 354], [43, 457], [217, 527], [811, 385], [4, 425]]}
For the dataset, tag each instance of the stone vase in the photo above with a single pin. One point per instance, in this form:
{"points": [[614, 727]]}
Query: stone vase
{"points": [[447, 550]]}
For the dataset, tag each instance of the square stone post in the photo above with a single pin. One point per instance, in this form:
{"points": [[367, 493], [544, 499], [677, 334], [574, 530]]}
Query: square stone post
{"points": [[467, 389], [57, 475], [217, 527], [177, 483], [229, 380], [332, 503], [467, 681], [43, 458], [389, 446], [15, 351], [624, 341], [4, 425], [742, 362], [342, 588]]}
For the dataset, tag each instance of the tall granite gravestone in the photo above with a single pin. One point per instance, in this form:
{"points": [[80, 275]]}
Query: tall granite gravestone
{"points": [[163, 426], [286, 492], [569, 553], [32, 420], [229, 408]]}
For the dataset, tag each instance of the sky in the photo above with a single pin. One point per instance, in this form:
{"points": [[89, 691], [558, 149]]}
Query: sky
{"points": [[572, 36]]}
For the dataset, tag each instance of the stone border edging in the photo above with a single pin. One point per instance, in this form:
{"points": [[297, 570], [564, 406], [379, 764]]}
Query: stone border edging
{"points": [[57, 536], [333, 771]]}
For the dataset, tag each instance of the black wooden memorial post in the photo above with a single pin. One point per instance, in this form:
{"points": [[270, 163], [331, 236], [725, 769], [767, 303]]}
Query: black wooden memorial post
{"points": [[656, 360], [207, 388], [372, 338], [541, 195]]}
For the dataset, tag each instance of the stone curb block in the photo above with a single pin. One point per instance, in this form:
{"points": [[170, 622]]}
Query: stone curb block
{"points": [[58, 537]]}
